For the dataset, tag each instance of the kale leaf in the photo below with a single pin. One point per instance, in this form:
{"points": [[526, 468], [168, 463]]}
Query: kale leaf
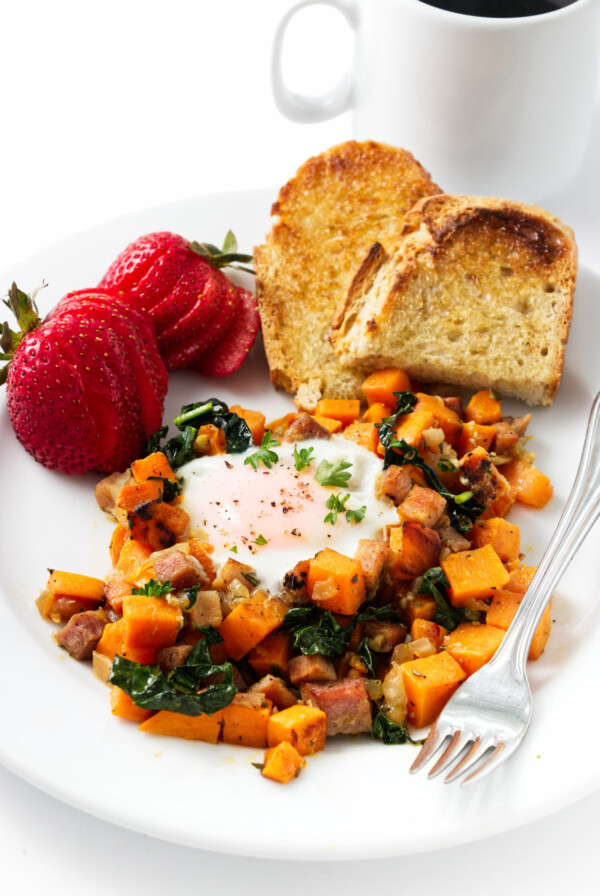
{"points": [[150, 688], [434, 583], [390, 732], [315, 630]]}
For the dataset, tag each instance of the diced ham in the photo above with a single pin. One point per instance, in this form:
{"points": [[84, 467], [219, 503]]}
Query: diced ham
{"points": [[384, 636], [181, 570], [395, 483], [481, 476], [345, 702], [81, 634], [206, 610], [454, 402], [423, 505], [311, 668], [168, 658], [372, 556], [107, 490], [305, 427], [452, 540], [508, 432], [274, 689]]}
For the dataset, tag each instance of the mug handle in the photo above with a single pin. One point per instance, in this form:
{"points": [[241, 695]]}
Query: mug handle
{"points": [[297, 106]]}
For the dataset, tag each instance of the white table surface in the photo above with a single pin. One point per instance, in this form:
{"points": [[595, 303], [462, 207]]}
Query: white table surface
{"points": [[110, 108]]}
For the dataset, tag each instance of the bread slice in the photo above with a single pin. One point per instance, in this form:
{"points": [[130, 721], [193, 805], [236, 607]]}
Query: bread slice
{"points": [[335, 207], [476, 292]]}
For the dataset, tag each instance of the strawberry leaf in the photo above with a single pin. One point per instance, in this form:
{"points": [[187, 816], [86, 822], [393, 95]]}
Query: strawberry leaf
{"points": [[227, 257]]}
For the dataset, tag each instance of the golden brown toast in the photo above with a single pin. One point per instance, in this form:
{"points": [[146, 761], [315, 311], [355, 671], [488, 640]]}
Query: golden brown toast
{"points": [[329, 214], [475, 292]]}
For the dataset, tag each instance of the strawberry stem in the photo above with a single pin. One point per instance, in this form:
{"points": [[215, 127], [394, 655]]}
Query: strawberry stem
{"points": [[225, 257], [25, 311]]}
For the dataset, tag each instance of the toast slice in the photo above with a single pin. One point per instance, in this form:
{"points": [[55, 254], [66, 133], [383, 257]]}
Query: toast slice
{"points": [[329, 214], [476, 292]]}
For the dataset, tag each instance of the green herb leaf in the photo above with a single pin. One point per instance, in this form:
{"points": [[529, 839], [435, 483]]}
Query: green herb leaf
{"points": [[405, 402], [368, 657], [154, 588], [238, 436], [387, 613], [228, 256], [302, 457], [265, 455], [150, 688], [171, 488], [356, 516], [337, 504], [260, 540], [333, 473], [390, 732], [234, 549]]}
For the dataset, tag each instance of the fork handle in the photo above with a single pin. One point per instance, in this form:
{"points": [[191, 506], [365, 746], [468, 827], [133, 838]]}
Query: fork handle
{"points": [[580, 513]]}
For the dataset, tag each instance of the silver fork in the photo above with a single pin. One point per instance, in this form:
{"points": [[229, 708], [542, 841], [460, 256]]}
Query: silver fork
{"points": [[487, 717]]}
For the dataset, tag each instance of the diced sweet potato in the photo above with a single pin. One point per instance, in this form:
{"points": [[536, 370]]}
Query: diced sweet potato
{"points": [[364, 434], [502, 611], [520, 579], [429, 683], [474, 575], [282, 763], [123, 706], [426, 628], [137, 496], [475, 435], [346, 410], [304, 727], [174, 724], [152, 466], [483, 408], [336, 582], [529, 485], [380, 386], [410, 427], [473, 645], [150, 621], [327, 423], [86, 589], [249, 622], [377, 412], [272, 655], [443, 417], [254, 419], [503, 536], [245, 720], [413, 550]]}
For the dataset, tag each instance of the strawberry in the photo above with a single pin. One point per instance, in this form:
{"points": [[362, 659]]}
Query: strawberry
{"points": [[197, 311], [85, 386]]}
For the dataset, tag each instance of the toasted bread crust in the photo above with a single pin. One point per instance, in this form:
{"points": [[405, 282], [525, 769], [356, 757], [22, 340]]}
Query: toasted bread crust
{"points": [[476, 291], [338, 204]]}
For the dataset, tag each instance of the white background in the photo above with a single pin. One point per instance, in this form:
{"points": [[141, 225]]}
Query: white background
{"points": [[117, 106]]}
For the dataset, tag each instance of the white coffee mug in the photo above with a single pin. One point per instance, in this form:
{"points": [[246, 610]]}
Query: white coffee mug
{"points": [[490, 106]]}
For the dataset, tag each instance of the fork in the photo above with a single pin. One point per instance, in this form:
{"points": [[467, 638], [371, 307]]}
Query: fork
{"points": [[487, 717]]}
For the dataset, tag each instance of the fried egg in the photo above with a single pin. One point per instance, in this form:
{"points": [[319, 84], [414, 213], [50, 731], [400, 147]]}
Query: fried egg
{"points": [[271, 518]]}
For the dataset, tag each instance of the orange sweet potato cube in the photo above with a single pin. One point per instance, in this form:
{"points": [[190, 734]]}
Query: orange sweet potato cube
{"points": [[475, 435], [377, 412], [443, 417], [483, 408], [249, 622], [254, 419], [328, 423], [529, 485], [151, 466], [502, 611], [174, 724], [346, 410], [123, 706], [474, 575], [150, 621], [380, 386], [429, 683], [473, 645], [336, 582], [304, 727], [503, 536], [245, 720], [271, 656], [364, 434], [282, 763], [413, 550]]}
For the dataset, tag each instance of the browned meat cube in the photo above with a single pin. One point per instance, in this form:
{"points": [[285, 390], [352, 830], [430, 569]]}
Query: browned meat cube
{"points": [[481, 476], [345, 702], [413, 550], [81, 634], [107, 490], [206, 610], [180, 569], [508, 432], [274, 689], [372, 556], [305, 427], [395, 483], [168, 658], [383, 636], [423, 505], [311, 668]]}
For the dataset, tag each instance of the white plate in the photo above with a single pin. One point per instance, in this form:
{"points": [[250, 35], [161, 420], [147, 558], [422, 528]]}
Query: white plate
{"points": [[355, 799]]}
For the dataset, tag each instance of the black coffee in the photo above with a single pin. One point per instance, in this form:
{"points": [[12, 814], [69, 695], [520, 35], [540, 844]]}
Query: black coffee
{"points": [[500, 9]]}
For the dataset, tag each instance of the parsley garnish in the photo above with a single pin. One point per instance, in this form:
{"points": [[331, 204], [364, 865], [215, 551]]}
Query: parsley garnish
{"points": [[260, 540], [233, 550], [153, 588], [265, 455], [302, 457], [333, 473], [355, 516], [337, 504]]}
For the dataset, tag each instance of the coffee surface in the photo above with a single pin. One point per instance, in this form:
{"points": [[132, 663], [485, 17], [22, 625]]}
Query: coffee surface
{"points": [[500, 9]]}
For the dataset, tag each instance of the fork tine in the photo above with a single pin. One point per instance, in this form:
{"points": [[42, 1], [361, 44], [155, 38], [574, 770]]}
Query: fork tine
{"points": [[490, 763], [434, 740], [452, 751], [475, 753]]}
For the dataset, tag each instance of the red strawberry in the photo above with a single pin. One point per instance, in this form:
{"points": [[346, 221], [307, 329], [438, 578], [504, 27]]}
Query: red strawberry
{"points": [[194, 306], [86, 386], [228, 354]]}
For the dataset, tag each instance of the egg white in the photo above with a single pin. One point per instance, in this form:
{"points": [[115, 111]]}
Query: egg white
{"points": [[238, 508]]}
